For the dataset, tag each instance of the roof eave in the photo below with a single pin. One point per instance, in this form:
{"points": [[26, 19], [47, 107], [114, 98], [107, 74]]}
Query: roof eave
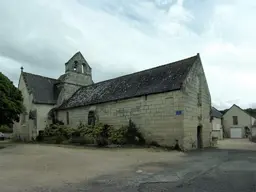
{"points": [[97, 103], [44, 103]]}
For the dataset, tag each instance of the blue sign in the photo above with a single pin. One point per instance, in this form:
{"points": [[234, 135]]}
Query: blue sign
{"points": [[179, 112]]}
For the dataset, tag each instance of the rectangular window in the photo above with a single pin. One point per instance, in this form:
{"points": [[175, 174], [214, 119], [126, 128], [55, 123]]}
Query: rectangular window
{"points": [[67, 118], [235, 120]]}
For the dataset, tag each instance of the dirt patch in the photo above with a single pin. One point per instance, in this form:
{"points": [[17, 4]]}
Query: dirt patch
{"points": [[4, 144], [31, 165]]}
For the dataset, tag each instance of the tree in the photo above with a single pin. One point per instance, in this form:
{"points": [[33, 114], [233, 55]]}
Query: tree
{"points": [[11, 101]]}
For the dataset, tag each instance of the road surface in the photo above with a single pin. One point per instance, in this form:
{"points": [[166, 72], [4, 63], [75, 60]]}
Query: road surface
{"points": [[229, 168]]}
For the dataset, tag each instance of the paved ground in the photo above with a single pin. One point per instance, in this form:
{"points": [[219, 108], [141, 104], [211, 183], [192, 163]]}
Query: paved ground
{"points": [[231, 167]]}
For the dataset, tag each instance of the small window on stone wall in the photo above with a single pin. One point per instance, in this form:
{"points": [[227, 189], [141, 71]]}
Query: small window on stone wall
{"points": [[91, 118], [75, 66], [67, 114]]}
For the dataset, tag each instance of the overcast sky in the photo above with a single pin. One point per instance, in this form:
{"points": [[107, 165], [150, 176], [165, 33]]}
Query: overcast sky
{"points": [[118, 37]]}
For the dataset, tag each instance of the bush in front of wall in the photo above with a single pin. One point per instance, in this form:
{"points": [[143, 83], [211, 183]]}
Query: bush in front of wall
{"points": [[82, 135], [5, 129], [118, 136], [128, 134], [101, 133], [55, 133], [134, 136]]}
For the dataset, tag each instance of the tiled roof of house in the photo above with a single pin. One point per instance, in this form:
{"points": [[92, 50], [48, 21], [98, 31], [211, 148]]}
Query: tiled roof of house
{"points": [[41, 87], [160, 79], [216, 113]]}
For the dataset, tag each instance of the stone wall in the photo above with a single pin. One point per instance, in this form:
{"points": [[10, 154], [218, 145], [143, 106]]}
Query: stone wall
{"points": [[197, 107], [20, 129], [27, 128], [155, 115], [42, 116], [69, 83], [66, 91]]}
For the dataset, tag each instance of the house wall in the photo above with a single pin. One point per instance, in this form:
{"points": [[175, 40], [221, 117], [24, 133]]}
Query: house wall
{"points": [[155, 115], [252, 120], [42, 115], [196, 91], [29, 128], [253, 131], [216, 123], [21, 128], [217, 128], [243, 119], [71, 81]]}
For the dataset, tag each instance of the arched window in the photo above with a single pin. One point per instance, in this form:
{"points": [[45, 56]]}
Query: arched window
{"points": [[75, 66], [91, 118]]}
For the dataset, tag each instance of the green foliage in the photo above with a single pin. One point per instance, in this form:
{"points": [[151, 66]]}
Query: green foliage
{"points": [[84, 130], [55, 133], [11, 101], [118, 136], [83, 135], [5, 129], [129, 134], [99, 134], [251, 111]]}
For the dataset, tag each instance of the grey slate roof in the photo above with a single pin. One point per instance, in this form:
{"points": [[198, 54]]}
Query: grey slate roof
{"points": [[216, 113], [41, 87], [164, 78]]}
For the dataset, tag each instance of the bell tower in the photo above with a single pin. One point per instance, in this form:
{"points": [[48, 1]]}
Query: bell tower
{"points": [[78, 73], [77, 64]]}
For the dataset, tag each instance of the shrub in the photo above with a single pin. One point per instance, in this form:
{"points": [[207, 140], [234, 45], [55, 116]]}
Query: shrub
{"points": [[84, 130], [127, 135], [40, 136], [134, 136], [55, 133], [5, 129], [101, 133], [253, 139], [118, 136]]}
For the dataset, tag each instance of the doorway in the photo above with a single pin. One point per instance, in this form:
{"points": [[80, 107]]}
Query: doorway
{"points": [[199, 137]]}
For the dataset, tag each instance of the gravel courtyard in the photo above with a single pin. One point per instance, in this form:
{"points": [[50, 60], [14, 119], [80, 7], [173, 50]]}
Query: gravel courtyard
{"points": [[29, 166], [37, 168]]}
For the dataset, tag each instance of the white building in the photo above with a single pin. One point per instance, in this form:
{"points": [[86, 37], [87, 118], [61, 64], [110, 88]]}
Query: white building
{"points": [[236, 121], [216, 119]]}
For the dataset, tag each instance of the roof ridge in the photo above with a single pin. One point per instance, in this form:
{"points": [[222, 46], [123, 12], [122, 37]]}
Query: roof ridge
{"points": [[40, 76], [159, 79], [240, 109], [163, 65]]}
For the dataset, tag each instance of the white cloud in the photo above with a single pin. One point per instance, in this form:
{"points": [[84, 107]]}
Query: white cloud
{"points": [[119, 37]]}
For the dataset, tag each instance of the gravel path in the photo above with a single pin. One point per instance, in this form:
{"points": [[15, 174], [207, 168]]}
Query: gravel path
{"points": [[35, 168], [25, 167]]}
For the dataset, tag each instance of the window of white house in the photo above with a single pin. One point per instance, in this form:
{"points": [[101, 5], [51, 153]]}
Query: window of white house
{"points": [[235, 120]]}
